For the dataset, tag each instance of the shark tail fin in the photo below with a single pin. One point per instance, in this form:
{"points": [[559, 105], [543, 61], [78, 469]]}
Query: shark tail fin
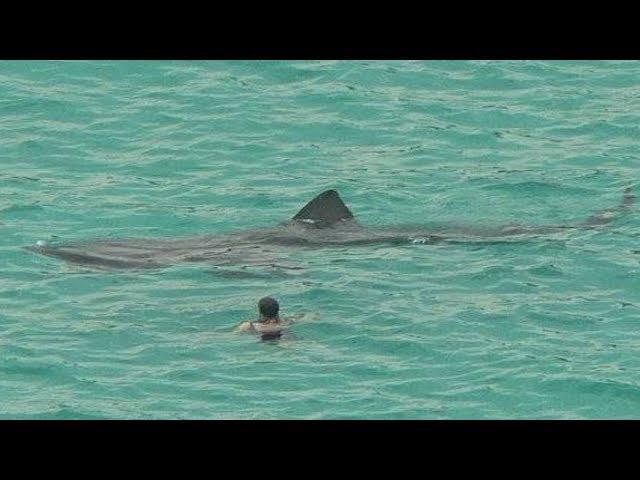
{"points": [[610, 214]]}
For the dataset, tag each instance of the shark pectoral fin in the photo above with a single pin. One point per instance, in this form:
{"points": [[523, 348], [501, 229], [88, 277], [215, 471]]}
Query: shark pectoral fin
{"points": [[324, 210], [279, 270]]}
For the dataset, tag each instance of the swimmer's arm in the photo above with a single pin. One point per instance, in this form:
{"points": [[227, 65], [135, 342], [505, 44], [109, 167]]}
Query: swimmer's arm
{"points": [[303, 318], [244, 327]]}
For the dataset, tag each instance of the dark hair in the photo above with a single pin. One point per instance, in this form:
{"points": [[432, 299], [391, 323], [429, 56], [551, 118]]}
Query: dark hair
{"points": [[268, 307]]}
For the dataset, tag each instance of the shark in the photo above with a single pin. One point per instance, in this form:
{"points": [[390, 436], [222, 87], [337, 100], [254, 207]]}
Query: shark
{"points": [[324, 222]]}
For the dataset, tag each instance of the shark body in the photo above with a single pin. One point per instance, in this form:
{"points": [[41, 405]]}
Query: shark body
{"points": [[324, 222]]}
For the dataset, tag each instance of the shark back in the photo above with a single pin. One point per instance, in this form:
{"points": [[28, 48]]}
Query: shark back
{"points": [[325, 210]]}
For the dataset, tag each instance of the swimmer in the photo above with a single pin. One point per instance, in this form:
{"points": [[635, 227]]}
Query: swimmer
{"points": [[269, 324]]}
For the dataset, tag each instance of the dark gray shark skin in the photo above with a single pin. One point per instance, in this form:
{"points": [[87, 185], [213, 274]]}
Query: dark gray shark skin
{"points": [[324, 222]]}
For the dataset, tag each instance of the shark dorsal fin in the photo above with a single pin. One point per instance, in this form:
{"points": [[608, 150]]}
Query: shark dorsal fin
{"points": [[324, 210]]}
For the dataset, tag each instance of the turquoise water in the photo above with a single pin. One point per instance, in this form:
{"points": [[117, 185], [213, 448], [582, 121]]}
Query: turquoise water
{"points": [[547, 327]]}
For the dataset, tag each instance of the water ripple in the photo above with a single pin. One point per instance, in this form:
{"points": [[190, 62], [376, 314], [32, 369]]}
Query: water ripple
{"points": [[543, 328]]}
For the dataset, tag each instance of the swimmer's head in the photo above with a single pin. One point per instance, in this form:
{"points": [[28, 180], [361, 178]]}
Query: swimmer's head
{"points": [[268, 308]]}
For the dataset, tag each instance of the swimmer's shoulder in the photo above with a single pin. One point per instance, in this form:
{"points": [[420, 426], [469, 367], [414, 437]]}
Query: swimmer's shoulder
{"points": [[245, 327], [249, 326]]}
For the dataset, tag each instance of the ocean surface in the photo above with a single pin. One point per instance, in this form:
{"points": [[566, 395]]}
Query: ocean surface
{"points": [[540, 327]]}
